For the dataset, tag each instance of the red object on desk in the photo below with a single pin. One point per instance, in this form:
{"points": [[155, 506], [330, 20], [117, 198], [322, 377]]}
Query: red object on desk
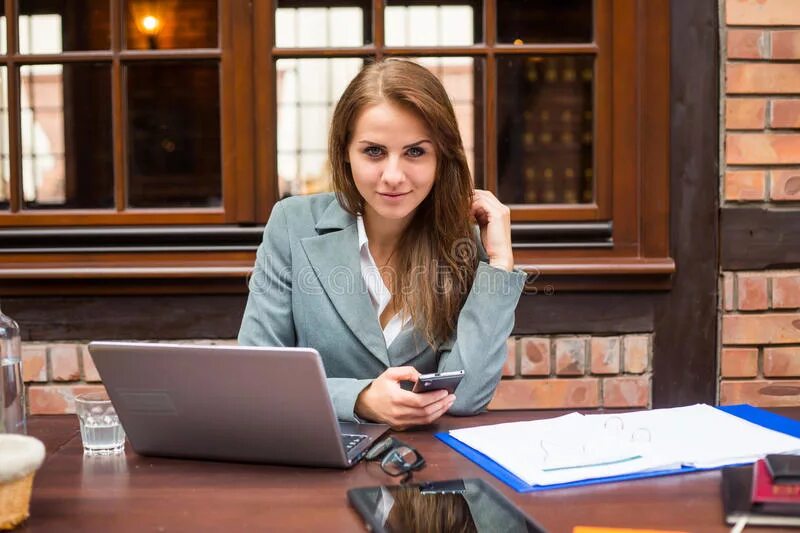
{"points": [[765, 491]]}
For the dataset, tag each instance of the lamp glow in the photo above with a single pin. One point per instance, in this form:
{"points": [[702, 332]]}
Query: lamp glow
{"points": [[150, 24]]}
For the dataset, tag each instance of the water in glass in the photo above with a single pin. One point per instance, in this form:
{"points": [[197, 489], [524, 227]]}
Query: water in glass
{"points": [[101, 431]]}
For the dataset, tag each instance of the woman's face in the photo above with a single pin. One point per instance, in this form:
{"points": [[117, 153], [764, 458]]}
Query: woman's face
{"points": [[392, 157]]}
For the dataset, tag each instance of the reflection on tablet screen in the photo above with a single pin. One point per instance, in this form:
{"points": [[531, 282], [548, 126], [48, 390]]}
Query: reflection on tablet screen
{"points": [[459, 506]]}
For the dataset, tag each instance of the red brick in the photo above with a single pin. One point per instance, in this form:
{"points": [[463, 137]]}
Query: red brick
{"points": [[745, 113], [752, 291], [728, 302], [785, 185], [546, 394], [786, 291], [90, 373], [786, 44], [762, 12], [768, 328], [510, 367], [785, 113], [739, 362], [64, 362], [535, 356], [745, 185], [747, 44], [34, 362], [56, 399], [636, 350], [762, 148], [782, 362], [605, 355], [570, 357], [762, 78], [626, 392], [763, 393]]}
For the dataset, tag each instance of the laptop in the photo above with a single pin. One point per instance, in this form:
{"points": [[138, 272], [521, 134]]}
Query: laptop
{"points": [[229, 403]]}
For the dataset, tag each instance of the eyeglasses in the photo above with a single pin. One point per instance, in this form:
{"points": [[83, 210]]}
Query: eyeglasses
{"points": [[397, 458]]}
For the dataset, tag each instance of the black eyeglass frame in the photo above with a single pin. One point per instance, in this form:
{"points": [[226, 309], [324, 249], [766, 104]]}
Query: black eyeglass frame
{"points": [[389, 450]]}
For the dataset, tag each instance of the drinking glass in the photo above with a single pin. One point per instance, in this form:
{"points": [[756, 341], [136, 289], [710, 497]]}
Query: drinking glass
{"points": [[101, 432]]}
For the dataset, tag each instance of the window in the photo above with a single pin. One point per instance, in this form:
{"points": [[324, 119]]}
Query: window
{"points": [[150, 138], [113, 113], [563, 106]]}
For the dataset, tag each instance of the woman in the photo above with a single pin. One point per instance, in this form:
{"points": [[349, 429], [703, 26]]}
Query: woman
{"points": [[387, 278]]}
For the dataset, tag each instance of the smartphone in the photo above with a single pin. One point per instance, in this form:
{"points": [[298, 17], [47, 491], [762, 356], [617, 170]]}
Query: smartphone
{"points": [[784, 468], [452, 505], [439, 381]]}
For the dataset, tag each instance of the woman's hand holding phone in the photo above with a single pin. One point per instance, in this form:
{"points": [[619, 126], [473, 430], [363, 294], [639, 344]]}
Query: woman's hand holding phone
{"points": [[385, 400]]}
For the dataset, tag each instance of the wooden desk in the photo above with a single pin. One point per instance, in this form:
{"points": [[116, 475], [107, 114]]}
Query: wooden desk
{"points": [[134, 493]]}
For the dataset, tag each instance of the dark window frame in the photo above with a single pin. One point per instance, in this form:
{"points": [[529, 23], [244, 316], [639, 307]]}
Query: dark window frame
{"points": [[230, 42], [621, 242]]}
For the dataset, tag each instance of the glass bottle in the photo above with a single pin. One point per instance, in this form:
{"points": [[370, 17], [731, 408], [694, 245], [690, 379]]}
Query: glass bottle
{"points": [[12, 388]]}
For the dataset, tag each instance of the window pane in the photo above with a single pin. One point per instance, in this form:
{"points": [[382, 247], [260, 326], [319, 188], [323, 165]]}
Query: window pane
{"points": [[168, 24], [462, 78], [2, 28], [5, 173], [63, 25], [66, 136], [545, 125], [339, 24], [307, 91], [544, 21], [411, 23], [173, 134]]}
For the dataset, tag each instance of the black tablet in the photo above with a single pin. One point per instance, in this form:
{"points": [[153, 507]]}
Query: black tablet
{"points": [[462, 505]]}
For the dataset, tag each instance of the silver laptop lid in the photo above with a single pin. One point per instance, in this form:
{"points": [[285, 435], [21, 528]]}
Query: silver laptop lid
{"points": [[235, 403]]}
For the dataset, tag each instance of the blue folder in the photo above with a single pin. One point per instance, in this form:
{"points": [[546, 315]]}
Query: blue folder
{"points": [[747, 412]]}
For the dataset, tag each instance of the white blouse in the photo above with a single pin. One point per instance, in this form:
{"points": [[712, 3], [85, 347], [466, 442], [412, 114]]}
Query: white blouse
{"points": [[378, 292]]}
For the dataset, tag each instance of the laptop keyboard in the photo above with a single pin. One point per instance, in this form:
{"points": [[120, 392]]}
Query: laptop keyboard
{"points": [[351, 441]]}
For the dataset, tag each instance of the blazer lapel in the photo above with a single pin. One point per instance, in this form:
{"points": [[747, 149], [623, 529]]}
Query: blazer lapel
{"points": [[408, 344], [336, 263]]}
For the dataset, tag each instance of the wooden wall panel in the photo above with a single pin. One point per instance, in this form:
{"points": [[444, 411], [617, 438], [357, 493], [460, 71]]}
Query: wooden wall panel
{"points": [[754, 238], [685, 344], [127, 317], [598, 313], [218, 316]]}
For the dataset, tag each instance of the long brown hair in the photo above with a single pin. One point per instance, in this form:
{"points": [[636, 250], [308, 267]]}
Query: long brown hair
{"points": [[414, 512], [436, 257]]}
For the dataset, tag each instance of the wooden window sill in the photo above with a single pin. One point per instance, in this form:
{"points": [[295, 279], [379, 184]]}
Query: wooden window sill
{"points": [[230, 276]]}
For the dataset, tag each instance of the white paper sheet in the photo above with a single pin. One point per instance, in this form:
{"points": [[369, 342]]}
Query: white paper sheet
{"points": [[574, 447]]}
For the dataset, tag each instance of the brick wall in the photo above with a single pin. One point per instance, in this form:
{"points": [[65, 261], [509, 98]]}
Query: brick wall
{"points": [[56, 372], [540, 372], [576, 372], [760, 315], [760, 357]]}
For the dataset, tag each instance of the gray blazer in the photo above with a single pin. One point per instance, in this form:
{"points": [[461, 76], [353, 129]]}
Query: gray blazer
{"points": [[307, 290]]}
